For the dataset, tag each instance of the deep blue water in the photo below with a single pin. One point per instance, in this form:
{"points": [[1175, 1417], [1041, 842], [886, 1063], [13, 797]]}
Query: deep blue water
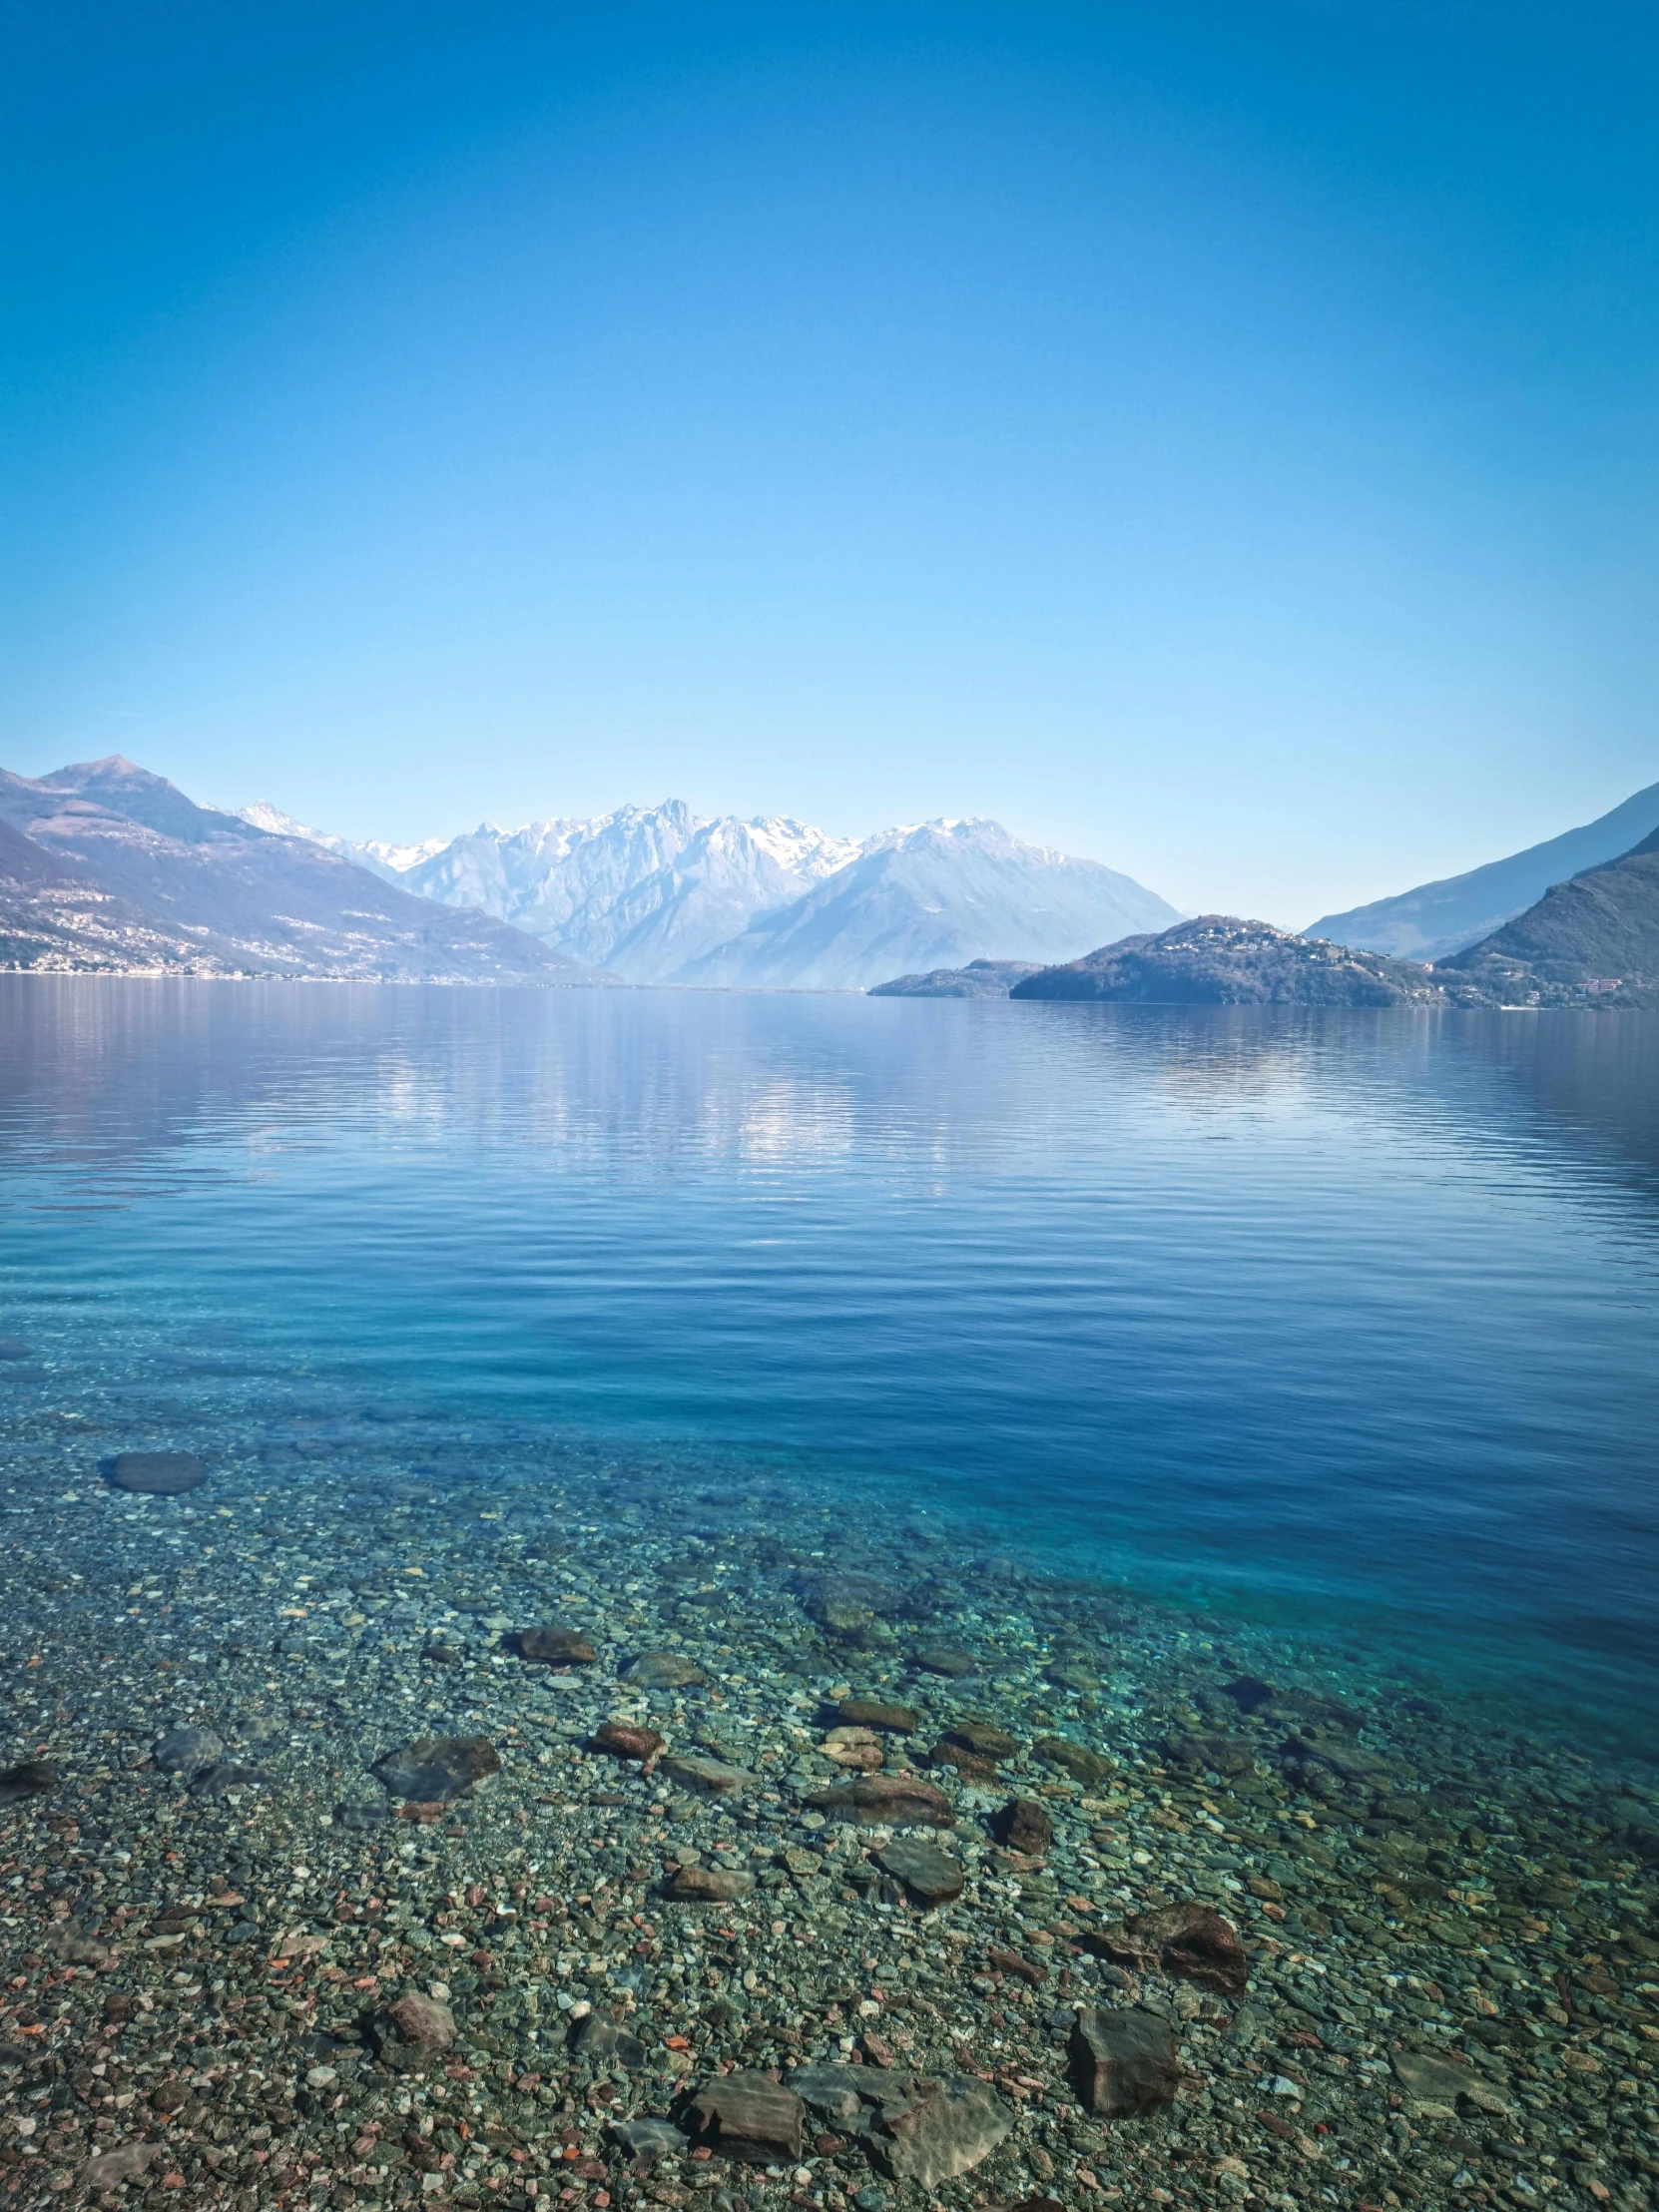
{"points": [[1351, 1320]]}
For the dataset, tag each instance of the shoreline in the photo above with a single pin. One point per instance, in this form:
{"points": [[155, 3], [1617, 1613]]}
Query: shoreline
{"points": [[1411, 1895]]}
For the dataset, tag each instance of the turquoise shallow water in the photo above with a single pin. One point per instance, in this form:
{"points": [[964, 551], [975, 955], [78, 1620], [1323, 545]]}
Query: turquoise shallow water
{"points": [[1350, 1320]]}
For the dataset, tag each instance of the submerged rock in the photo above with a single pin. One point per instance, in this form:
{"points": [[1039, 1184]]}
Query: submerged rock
{"points": [[855, 1747], [715, 1775], [437, 1767], [1024, 1825], [1185, 1942], [188, 1750], [414, 2027], [625, 1742], [663, 1670], [157, 1474], [931, 1875], [947, 2126], [865, 1711], [1077, 1760], [1123, 2062], [749, 2117], [711, 1885], [555, 1647], [30, 1778], [887, 1801]]}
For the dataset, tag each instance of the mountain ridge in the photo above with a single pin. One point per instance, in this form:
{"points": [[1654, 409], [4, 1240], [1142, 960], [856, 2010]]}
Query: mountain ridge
{"points": [[660, 894], [1436, 920], [1592, 939], [139, 879]]}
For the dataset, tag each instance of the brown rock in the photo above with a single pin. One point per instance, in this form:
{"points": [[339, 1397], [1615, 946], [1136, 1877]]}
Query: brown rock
{"points": [[979, 1739], [1123, 2062], [931, 1874], [1187, 1942], [710, 1884], [749, 2116], [625, 1742], [157, 1474], [663, 1670], [1011, 1961], [422, 2020], [33, 1778], [1083, 1765], [887, 1801], [865, 1711], [556, 1647], [855, 1747], [1023, 1824], [948, 1660], [1219, 1754]]}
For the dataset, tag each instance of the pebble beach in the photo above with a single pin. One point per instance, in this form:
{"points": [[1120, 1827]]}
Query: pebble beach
{"points": [[396, 1814]]}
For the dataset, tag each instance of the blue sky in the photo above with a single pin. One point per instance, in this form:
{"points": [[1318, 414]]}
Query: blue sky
{"points": [[1219, 439]]}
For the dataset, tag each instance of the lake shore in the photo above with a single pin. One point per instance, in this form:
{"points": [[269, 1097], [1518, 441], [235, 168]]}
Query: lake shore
{"points": [[1443, 1988]]}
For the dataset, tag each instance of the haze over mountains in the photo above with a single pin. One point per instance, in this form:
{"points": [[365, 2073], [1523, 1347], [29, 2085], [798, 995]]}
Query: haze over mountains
{"points": [[659, 895], [1439, 919], [107, 868]]}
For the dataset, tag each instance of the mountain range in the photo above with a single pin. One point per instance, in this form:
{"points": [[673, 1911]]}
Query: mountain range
{"points": [[1445, 917], [661, 895], [106, 867], [1593, 938]]}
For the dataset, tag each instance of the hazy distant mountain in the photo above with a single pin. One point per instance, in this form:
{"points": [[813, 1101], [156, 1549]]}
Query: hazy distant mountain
{"points": [[979, 979], [931, 897], [643, 890], [1221, 960], [139, 876], [391, 862], [1593, 940], [1439, 919]]}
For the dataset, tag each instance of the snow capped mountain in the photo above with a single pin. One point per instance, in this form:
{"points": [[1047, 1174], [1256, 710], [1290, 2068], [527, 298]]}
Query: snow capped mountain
{"points": [[935, 896], [390, 861], [644, 889], [658, 894]]}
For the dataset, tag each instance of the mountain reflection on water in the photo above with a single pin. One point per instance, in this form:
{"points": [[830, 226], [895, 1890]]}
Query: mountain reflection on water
{"points": [[1351, 1315]]}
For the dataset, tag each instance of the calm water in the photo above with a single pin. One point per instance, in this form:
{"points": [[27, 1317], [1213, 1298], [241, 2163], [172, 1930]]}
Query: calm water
{"points": [[1351, 1319]]}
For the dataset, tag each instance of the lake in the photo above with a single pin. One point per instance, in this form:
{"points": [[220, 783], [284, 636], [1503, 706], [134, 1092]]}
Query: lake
{"points": [[1346, 1322]]}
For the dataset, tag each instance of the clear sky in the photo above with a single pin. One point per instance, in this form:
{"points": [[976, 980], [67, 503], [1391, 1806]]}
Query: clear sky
{"points": [[1218, 439]]}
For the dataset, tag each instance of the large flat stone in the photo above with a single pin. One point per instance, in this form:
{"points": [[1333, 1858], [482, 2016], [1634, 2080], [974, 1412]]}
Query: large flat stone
{"points": [[1123, 2062], [887, 1801], [945, 2128], [749, 2117], [157, 1474], [931, 1875], [436, 1767]]}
